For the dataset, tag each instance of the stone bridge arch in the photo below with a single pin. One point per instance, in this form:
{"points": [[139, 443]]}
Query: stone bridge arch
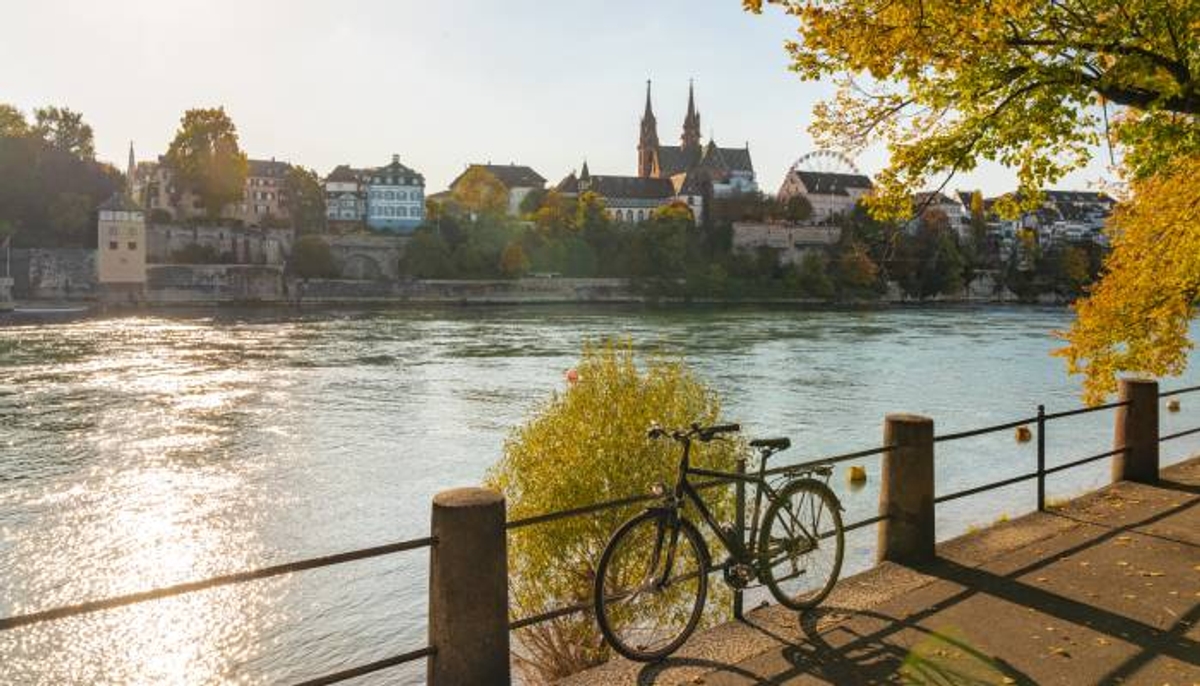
{"points": [[362, 267]]}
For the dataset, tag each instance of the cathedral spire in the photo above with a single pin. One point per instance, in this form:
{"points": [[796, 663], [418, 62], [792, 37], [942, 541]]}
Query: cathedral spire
{"points": [[130, 170], [647, 148], [691, 123]]}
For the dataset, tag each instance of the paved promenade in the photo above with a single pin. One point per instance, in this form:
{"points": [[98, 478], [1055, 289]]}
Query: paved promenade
{"points": [[1105, 590]]}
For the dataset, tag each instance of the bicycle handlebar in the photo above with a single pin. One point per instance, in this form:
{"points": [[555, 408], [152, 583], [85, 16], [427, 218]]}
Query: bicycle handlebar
{"points": [[704, 433]]}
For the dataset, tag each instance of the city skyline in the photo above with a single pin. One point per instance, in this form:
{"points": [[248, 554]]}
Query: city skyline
{"points": [[541, 86]]}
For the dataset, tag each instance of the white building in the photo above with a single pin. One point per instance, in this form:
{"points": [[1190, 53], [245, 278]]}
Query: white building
{"points": [[829, 194], [518, 179], [632, 199]]}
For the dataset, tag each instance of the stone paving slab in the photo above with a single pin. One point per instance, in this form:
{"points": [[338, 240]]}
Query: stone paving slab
{"points": [[1105, 590]]}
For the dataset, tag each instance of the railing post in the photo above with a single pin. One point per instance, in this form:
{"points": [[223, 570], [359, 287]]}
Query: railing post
{"points": [[1041, 458], [906, 491], [468, 589], [740, 526], [1136, 430]]}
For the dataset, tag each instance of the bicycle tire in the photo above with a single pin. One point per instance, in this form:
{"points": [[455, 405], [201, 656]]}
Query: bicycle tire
{"points": [[602, 601], [766, 572]]}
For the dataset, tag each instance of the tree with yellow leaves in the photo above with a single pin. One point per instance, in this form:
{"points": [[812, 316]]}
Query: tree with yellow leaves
{"points": [[1035, 85]]}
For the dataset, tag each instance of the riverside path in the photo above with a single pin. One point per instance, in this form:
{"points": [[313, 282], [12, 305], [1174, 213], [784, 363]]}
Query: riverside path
{"points": [[1102, 590]]}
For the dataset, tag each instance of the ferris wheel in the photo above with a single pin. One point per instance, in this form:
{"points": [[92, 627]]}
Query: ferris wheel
{"points": [[828, 161]]}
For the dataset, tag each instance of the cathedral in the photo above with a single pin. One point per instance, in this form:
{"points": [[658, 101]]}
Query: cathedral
{"points": [[693, 164]]}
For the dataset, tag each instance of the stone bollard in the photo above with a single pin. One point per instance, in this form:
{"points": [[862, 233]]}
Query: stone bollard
{"points": [[468, 589], [906, 490], [1136, 428]]}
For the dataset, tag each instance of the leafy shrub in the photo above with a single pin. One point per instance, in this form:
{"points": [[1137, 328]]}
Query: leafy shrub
{"points": [[588, 444], [312, 258]]}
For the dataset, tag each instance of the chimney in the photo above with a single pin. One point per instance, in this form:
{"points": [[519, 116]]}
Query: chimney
{"points": [[395, 158]]}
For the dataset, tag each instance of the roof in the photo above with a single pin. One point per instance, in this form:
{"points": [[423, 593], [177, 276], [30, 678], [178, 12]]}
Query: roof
{"points": [[345, 173], [638, 187], [397, 169], [120, 202], [933, 198], [511, 175], [673, 159], [269, 168], [830, 183], [1078, 196], [731, 159]]}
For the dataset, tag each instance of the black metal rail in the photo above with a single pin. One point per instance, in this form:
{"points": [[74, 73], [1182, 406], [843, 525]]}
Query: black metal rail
{"points": [[370, 667]]}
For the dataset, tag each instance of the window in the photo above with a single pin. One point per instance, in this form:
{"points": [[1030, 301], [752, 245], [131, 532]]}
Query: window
{"points": [[641, 215], [401, 212], [112, 231], [112, 245], [401, 195], [133, 245], [389, 195]]}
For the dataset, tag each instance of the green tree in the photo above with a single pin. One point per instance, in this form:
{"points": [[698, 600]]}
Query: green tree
{"points": [[812, 277], [426, 256], [206, 159], [305, 199], [532, 201], [312, 259], [797, 209], [12, 122], [855, 271], [65, 130], [588, 444], [513, 261]]}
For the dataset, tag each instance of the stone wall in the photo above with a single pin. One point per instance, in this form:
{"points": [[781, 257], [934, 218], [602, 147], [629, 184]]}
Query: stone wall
{"points": [[367, 256], [211, 283], [234, 245], [54, 274], [530, 290]]}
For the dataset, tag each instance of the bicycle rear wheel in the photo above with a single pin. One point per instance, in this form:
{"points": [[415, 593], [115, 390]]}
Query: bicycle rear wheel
{"points": [[650, 586], [801, 544]]}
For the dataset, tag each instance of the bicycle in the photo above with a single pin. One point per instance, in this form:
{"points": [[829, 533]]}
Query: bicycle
{"points": [[652, 580]]}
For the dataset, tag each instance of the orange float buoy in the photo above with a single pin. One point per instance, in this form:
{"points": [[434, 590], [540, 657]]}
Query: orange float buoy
{"points": [[1024, 434], [1173, 405]]}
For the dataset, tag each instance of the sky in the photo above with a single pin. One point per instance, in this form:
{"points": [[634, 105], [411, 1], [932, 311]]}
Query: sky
{"points": [[440, 83]]}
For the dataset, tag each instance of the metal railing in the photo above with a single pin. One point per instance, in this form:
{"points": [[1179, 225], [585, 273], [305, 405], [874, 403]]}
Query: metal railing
{"points": [[1040, 419], [58, 613]]}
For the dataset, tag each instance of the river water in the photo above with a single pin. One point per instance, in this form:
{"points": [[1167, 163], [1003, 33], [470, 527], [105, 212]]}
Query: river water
{"points": [[154, 449]]}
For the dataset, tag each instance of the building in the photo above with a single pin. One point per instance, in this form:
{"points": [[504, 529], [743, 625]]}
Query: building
{"points": [[519, 180], [830, 194], [629, 199], [395, 198], [263, 202], [346, 196], [957, 215], [694, 168], [789, 242], [121, 249]]}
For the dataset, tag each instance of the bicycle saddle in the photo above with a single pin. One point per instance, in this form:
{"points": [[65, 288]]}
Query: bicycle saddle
{"points": [[773, 443]]}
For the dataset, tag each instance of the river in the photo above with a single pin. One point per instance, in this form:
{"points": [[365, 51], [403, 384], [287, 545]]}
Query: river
{"points": [[147, 450]]}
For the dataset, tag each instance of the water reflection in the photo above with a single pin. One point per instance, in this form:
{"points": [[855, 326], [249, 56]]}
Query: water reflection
{"points": [[142, 451]]}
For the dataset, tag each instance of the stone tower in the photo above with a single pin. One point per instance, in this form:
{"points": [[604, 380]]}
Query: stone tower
{"points": [[648, 142], [691, 123]]}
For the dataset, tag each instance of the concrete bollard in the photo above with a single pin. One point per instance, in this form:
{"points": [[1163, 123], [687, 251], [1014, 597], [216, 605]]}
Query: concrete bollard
{"points": [[1136, 428], [468, 589], [906, 490]]}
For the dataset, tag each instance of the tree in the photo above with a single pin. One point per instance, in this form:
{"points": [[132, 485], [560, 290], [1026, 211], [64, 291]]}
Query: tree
{"points": [[206, 159], [676, 211], [312, 258], [65, 130], [305, 199], [812, 277], [426, 256], [584, 445], [479, 191], [797, 209], [1029, 84], [1137, 317], [856, 272], [12, 122], [513, 261]]}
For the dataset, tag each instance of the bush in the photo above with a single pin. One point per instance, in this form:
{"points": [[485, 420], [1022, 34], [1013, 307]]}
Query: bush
{"points": [[585, 445], [312, 258], [194, 253]]}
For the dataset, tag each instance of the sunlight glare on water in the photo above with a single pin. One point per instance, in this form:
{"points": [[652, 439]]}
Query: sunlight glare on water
{"points": [[151, 450]]}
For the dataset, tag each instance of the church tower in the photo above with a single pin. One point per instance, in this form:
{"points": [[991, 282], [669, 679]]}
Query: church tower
{"points": [[648, 142], [691, 123]]}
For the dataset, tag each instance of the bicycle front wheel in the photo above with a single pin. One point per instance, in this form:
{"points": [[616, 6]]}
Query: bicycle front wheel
{"points": [[801, 544], [650, 586]]}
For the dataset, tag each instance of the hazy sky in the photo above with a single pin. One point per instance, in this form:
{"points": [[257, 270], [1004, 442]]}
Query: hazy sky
{"points": [[441, 83]]}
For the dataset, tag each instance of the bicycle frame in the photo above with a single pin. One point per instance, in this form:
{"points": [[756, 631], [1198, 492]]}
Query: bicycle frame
{"points": [[741, 549]]}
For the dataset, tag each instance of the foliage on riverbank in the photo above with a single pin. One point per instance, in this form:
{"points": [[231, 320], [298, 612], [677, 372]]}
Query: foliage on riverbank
{"points": [[588, 444]]}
